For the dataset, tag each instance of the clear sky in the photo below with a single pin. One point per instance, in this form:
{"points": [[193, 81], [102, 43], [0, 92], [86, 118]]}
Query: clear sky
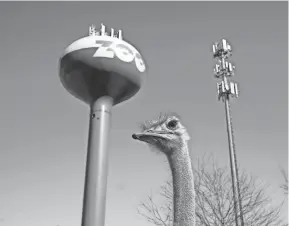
{"points": [[43, 129]]}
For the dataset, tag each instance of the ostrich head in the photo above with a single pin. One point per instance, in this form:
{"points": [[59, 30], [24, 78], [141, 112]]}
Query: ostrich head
{"points": [[166, 134]]}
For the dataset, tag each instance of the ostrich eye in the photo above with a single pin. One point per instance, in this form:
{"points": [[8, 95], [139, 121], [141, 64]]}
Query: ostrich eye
{"points": [[172, 124]]}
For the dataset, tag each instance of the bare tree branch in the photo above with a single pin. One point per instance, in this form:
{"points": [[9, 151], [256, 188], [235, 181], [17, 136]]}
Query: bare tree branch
{"points": [[284, 186], [214, 199]]}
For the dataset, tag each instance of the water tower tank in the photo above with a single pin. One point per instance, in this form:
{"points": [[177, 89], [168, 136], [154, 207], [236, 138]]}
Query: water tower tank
{"points": [[102, 64]]}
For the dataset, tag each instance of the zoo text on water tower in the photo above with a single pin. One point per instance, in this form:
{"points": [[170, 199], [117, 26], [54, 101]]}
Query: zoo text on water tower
{"points": [[109, 47]]}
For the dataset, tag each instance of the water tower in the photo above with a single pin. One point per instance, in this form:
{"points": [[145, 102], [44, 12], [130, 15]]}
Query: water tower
{"points": [[102, 70]]}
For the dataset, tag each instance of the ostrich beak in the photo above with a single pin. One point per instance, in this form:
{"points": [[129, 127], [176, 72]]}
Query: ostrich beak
{"points": [[143, 136], [135, 136]]}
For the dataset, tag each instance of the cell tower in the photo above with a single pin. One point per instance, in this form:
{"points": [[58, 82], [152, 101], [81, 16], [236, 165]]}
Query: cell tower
{"points": [[224, 70], [102, 70]]}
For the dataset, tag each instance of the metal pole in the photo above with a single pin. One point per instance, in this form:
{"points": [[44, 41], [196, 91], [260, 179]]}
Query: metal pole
{"points": [[235, 165], [224, 69], [93, 213], [231, 152]]}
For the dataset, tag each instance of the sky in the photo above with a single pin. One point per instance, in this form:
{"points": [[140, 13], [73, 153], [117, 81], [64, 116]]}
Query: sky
{"points": [[43, 129]]}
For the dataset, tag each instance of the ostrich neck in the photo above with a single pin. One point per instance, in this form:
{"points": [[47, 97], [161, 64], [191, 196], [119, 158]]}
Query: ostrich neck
{"points": [[183, 187]]}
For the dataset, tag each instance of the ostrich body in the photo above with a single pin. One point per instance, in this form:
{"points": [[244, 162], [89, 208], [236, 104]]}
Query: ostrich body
{"points": [[170, 137]]}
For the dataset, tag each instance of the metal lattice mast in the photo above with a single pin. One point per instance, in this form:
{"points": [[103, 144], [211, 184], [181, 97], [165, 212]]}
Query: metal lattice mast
{"points": [[226, 89]]}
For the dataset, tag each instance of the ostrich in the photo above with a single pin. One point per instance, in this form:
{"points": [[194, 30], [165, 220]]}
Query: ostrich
{"points": [[170, 137]]}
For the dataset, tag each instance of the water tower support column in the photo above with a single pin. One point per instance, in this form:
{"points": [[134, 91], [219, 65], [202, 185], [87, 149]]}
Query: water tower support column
{"points": [[97, 163]]}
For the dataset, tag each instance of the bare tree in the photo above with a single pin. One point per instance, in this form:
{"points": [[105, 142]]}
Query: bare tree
{"points": [[214, 200], [284, 186]]}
